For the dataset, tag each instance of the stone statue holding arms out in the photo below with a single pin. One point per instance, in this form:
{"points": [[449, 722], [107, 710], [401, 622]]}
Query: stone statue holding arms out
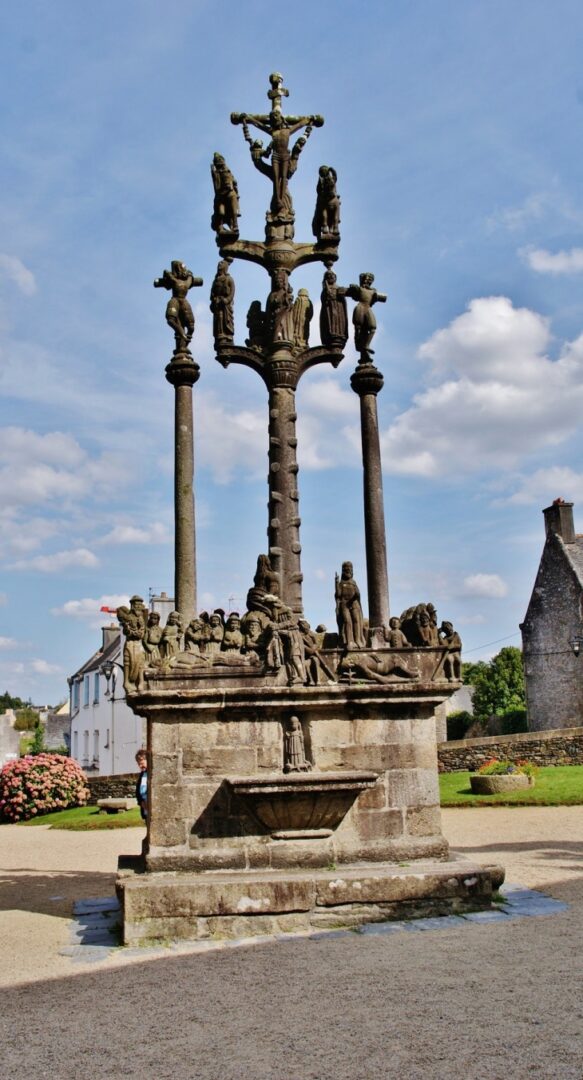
{"points": [[363, 317], [179, 314]]}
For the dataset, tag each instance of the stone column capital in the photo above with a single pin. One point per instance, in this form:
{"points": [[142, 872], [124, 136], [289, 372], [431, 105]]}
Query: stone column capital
{"points": [[182, 370], [366, 379]]}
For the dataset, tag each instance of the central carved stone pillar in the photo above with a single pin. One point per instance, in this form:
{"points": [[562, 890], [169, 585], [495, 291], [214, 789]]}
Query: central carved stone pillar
{"points": [[284, 522], [182, 373], [367, 381]]}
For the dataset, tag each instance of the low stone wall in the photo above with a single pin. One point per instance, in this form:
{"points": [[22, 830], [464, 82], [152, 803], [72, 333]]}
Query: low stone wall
{"points": [[555, 747], [111, 787]]}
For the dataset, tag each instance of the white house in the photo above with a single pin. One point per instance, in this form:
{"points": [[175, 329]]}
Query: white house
{"points": [[105, 733]]}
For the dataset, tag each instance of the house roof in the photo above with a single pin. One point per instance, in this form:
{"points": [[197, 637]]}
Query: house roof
{"points": [[574, 553], [111, 652]]}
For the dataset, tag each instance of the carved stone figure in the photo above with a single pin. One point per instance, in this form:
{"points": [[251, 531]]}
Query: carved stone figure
{"points": [[326, 220], [133, 621], [222, 305], [226, 202], [348, 609], [452, 665], [279, 309], [179, 315], [285, 628], [314, 661], [255, 325], [171, 636], [252, 630], [303, 310], [294, 753], [376, 667], [363, 317], [216, 633], [265, 586], [419, 627], [333, 312], [196, 637], [152, 638], [233, 639], [394, 636]]}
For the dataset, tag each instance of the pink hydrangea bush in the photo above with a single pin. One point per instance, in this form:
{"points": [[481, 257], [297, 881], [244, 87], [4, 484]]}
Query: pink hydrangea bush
{"points": [[37, 785]]}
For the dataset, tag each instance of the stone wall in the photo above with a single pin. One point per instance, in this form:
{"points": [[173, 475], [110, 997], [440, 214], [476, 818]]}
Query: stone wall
{"points": [[564, 747], [111, 787]]}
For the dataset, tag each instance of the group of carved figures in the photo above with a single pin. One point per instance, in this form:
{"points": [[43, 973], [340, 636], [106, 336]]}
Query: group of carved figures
{"points": [[270, 636], [287, 319]]}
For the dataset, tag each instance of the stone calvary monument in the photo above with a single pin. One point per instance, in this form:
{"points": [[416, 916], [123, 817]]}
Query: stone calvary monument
{"points": [[292, 771]]}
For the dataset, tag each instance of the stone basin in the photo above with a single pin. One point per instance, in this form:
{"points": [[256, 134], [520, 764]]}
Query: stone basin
{"points": [[498, 783], [304, 805]]}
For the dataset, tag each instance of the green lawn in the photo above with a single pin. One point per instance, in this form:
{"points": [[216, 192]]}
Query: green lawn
{"points": [[82, 818], [555, 785]]}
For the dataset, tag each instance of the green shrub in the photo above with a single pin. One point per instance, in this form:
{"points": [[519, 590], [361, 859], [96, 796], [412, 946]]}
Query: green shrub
{"points": [[458, 724], [36, 785]]}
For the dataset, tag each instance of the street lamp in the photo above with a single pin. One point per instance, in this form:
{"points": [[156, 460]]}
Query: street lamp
{"points": [[576, 643], [109, 673]]}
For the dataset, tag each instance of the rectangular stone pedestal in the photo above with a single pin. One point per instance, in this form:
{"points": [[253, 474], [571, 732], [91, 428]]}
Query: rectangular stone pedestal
{"points": [[186, 906]]}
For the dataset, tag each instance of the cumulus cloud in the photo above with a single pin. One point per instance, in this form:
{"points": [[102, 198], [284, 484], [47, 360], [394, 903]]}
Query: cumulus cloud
{"points": [[15, 270], [8, 643], [544, 485], [229, 441], [493, 394], [42, 667], [88, 609], [491, 585], [157, 533], [559, 262], [39, 469], [58, 561]]}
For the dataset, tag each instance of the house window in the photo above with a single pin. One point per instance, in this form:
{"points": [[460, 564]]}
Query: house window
{"points": [[75, 745], [96, 747], [96, 688], [85, 748], [76, 695], [86, 690]]}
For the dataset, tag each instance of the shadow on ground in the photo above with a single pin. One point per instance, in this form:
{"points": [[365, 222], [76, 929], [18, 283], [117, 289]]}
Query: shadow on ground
{"points": [[46, 893]]}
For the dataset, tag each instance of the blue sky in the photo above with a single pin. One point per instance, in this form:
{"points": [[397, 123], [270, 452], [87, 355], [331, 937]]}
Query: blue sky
{"points": [[455, 130]]}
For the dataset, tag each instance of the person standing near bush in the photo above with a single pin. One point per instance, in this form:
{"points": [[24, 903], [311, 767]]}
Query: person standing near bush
{"points": [[142, 783]]}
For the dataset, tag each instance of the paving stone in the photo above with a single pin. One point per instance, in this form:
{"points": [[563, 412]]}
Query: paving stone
{"points": [[99, 903]]}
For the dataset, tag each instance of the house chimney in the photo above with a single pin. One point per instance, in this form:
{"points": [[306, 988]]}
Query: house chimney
{"points": [[110, 633], [559, 520]]}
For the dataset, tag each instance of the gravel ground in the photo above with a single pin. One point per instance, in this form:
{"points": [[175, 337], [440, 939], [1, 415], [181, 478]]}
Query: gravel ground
{"points": [[502, 999]]}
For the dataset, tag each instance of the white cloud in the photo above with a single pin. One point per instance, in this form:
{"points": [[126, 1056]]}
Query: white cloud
{"points": [[496, 395], [229, 442], [471, 620], [491, 585], [39, 469], [325, 396], [157, 533], [8, 643], [559, 262], [88, 609], [58, 561], [544, 485], [15, 270], [42, 667]]}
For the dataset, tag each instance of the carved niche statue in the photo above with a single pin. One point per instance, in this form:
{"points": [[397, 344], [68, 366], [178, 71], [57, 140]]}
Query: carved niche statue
{"points": [[255, 325], [326, 220], [294, 753], [333, 312], [179, 315], [394, 636], [171, 636], [348, 609], [133, 621], [222, 305], [152, 638], [314, 661], [303, 310], [279, 319], [452, 664], [363, 317], [226, 202]]}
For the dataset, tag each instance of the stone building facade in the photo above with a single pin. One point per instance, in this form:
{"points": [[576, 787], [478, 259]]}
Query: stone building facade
{"points": [[553, 625]]}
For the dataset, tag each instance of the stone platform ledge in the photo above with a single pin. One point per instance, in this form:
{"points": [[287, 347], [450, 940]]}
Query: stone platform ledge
{"points": [[183, 906], [187, 694]]}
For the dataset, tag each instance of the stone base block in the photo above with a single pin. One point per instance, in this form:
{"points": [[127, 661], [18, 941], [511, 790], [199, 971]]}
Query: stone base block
{"points": [[184, 906]]}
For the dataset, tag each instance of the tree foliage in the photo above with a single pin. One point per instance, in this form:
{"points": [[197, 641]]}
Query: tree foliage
{"points": [[499, 684], [9, 702], [26, 719]]}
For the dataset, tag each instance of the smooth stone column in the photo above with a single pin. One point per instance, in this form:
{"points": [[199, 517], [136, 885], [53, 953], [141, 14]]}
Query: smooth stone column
{"points": [[367, 381], [183, 372]]}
